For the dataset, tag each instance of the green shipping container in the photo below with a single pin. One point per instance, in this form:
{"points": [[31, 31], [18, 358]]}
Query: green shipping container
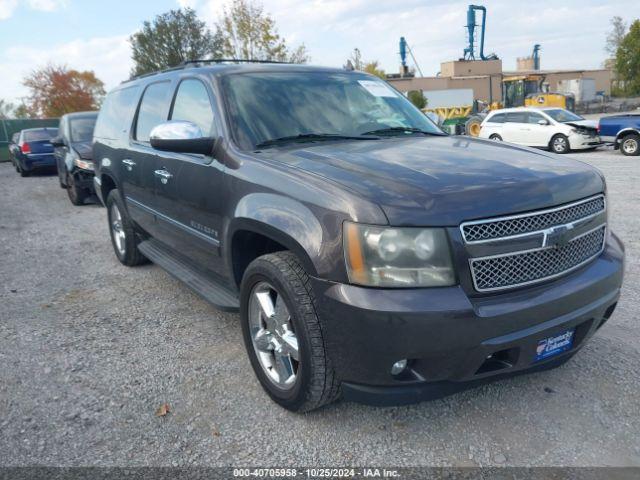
{"points": [[10, 126]]}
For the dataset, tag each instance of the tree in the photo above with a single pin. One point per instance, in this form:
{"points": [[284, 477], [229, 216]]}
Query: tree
{"points": [[628, 60], [22, 111], [417, 98], [249, 33], [373, 68], [6, 109], [615, 36], [172, 38], [56, 90]]}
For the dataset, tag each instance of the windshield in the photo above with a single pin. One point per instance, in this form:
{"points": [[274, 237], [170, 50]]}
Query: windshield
{"points": [[276, 105], [82, 129], [561, 115], [44, 134]]}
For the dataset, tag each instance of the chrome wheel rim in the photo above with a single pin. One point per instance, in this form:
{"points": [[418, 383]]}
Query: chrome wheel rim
{"points": [[274, 339], [630, 146], [559, 144], [117, 229]]}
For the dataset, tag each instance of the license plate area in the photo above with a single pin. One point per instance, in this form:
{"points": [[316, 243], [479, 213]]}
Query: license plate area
{"points": [[555, 345]]}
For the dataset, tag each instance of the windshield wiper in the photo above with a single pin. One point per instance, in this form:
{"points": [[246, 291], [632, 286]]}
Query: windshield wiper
{"points": [[400, 130], [312, 137]]}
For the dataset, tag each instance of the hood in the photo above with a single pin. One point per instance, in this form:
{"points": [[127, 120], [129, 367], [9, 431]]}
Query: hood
{"points": [[442, 181], [83, 149], [583, 123]]}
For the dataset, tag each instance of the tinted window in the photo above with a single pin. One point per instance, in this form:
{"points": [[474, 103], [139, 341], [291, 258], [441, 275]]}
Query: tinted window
{"points": [[265, 106], [153, 109], [115, 113], [192, 104], [535, 117], [498, 118], [81, 129], [14, 137], [39, 135], [516, 117]]}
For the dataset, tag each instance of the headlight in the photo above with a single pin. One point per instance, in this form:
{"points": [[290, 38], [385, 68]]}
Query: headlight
{"points": [[397, 257], [83, 164]]}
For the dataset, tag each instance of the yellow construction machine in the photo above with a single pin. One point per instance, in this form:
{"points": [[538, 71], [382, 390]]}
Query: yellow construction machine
{"points": [[530, 91]]}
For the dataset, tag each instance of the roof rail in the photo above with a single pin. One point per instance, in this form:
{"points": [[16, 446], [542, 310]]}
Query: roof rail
{"points": [[230, 60], [189, 63]]}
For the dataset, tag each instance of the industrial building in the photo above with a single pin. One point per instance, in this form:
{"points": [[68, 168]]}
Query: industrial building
{"points": [[485, 77]]}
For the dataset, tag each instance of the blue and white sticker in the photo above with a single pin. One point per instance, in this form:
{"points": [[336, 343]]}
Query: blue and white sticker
{"points": [[554, 345]]}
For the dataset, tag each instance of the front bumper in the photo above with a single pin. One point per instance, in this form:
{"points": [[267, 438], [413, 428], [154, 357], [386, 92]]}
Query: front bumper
{"points": [[449, 335], [84, 178], [582, 142]]}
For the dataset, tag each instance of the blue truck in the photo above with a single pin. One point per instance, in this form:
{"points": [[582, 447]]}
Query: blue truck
{"points": [[623, 131]]}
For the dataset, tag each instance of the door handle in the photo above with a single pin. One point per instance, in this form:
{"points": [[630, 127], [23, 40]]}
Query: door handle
{"points": [[164, 175], [128, 164]]}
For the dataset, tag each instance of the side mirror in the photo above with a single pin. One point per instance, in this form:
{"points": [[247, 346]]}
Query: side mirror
{"points": [[181, 137], [543, 122], [57, 141]]}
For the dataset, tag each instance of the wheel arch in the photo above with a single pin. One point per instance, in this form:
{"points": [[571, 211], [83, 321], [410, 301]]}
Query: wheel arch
{"points": [[626, 131], [281, 222]]}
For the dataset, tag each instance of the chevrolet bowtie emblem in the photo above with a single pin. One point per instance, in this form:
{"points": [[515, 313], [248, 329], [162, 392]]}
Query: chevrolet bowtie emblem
{"points": [[557, 236]]}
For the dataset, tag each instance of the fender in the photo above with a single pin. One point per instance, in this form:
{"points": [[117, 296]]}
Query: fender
{"points": [[626, 130], [285, 221]]}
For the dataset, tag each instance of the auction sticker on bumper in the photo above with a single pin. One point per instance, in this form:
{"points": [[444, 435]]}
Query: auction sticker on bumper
{"points": [[555, 345]]}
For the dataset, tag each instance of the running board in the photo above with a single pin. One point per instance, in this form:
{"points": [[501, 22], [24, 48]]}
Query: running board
{"points": [[211, 291]]}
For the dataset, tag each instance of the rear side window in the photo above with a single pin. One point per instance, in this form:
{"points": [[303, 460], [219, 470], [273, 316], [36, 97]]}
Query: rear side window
{"points": [[39, 135], [15, 137], [116, 112], [153, 109], [517, 117], [192, 104], [498, 118]]}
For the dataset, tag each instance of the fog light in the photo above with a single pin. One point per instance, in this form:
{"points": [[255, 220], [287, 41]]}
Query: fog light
{"points": [[399, 367]]}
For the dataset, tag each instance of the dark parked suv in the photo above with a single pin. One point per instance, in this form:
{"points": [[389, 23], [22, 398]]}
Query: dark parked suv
{"points": [[367, 252], [73, 154]]}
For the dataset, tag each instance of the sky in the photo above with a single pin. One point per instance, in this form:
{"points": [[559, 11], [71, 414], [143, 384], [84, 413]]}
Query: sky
{"points": [[93, 35]]}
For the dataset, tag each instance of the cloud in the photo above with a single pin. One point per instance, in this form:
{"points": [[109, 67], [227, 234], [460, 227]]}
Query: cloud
{"points": [[7, 7], [47, 5], [108, 57]]}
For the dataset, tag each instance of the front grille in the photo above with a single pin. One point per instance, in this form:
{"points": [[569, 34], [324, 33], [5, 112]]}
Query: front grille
{"points": [[516, 269], [527, 223]]}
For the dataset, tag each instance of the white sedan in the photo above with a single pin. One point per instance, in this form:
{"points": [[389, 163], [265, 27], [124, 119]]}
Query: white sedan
{"points": [[557, 129]]}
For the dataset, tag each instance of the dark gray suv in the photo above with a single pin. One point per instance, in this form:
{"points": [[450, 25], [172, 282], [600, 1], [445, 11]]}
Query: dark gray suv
{"points": [[368, 253]]}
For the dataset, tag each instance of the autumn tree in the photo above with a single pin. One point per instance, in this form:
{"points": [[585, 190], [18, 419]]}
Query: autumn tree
{"points": [[249, 33], [628, 60], [56, 90], [172, 38]]}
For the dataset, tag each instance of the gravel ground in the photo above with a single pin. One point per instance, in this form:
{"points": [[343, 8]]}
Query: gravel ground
{"points": [[90, 349]]}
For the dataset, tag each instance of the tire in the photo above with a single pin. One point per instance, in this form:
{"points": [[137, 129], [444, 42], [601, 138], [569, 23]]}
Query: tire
{"points": [[283, 278], [495, 137], [77, 195], [126, 248], [472, 126], [630, 145], [23, 172], [559, 144]]}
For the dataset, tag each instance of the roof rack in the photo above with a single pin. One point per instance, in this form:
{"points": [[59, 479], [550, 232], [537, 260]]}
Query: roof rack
{"points": [[189, 63], [230, 60]]}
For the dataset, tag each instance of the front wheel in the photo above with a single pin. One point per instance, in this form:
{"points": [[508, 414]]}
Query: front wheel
{"points": [[123, 235], [76, 194], [630, 145], [495, 137], [560, 144], [283, 335]]}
